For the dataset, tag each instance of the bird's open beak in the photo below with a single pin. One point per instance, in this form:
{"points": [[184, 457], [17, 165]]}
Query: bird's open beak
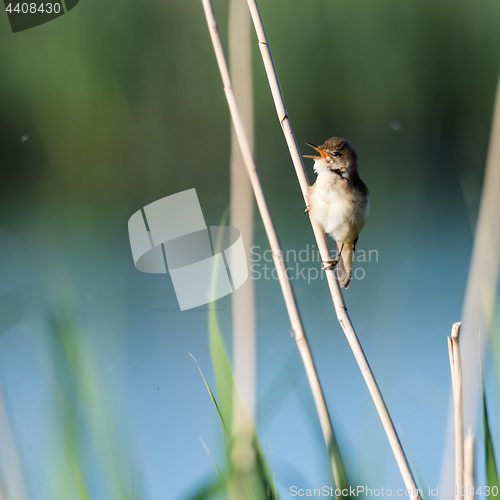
{"points": [[317, 148]]}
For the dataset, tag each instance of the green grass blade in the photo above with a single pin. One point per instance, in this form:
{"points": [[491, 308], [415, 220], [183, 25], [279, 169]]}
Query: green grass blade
{"points": [[262, 484], [213, 461], [257, 482], [212, 397], [272, 470], [83, 402], [490, 463], [491, 466], [222, 369]]}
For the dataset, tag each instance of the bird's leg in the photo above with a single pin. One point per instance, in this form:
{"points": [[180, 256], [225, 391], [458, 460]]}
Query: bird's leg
{"points": [[331, 264], [340, 253], [307, 209]]}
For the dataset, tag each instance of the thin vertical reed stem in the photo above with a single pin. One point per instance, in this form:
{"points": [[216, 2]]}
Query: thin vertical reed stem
{"points": [[469, 465], [456, 377], [322, 243], [291, 304], [482, 286], [242, 217]]}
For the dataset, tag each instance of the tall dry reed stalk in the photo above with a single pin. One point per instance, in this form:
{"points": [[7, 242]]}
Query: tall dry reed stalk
{"points": [[481, 291], [469, 465], [458, 406], [322, 243], [291, 304], [242, 299], [242, 205]]}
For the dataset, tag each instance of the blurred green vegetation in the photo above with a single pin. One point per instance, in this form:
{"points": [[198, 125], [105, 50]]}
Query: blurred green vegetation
{"points": [[246, 473], [119, 103], [121, 100], [491, 466], [89, 436]]}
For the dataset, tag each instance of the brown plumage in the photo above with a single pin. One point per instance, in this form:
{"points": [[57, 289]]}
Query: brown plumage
{"points": [[338, 201]]}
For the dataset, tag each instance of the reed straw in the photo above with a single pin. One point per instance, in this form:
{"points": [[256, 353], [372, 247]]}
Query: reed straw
{"points": [[290, 301], [458, 406], [469, 465], [322, 243]]}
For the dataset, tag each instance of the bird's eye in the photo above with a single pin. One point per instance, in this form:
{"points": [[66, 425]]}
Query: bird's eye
{"points": [[335, 154]]}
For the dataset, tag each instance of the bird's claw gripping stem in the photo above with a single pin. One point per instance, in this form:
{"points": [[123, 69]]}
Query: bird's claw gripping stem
{"points": [[330, 264]]}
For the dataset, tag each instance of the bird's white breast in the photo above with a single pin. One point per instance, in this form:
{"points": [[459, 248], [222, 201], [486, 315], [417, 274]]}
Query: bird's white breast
{"points": [[338, 207]]}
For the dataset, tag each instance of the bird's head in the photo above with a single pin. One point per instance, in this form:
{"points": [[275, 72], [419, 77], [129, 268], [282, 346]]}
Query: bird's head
{"points": [[336, 155]]}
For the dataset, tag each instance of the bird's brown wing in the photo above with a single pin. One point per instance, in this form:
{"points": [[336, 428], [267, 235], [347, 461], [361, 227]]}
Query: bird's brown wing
{"points": [[359, 184]]}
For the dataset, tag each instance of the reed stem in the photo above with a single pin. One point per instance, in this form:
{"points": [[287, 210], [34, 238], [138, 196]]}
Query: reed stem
{"points": [[322, 243], [290, 301], [242, 217], [456, 378], [469, 465]]}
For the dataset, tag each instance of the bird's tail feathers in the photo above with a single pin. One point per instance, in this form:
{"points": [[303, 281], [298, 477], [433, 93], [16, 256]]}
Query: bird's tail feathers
{"points": [[344, 268]]}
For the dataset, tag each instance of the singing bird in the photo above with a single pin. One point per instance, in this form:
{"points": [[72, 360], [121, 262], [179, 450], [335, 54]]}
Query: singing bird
{"points": [[338, 201]]}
